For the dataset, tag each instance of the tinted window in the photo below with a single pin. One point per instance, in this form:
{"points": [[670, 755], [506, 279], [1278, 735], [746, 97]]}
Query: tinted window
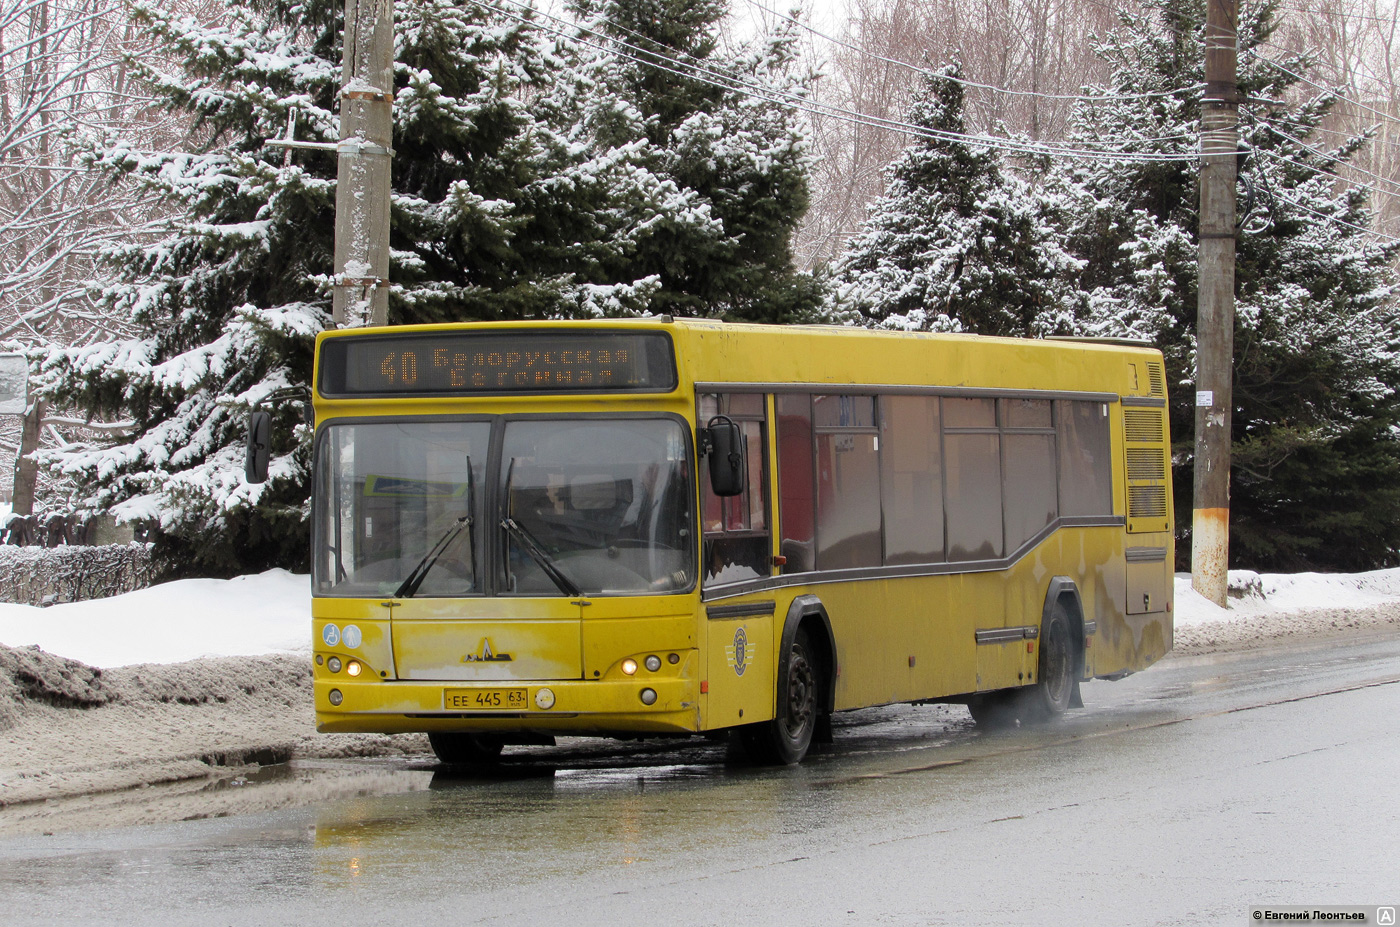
{"points": [[911, 482], [973, 502], [1026, 413], [969, 413], [844, 411], [1030, 486], [848, 482], [848, 500], [1086, 475], [796, 500], [736, 543]]}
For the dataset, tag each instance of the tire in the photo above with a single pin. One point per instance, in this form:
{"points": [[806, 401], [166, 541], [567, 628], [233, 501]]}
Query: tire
{"points": [[784, 741], [467, 749], [1053, 690]]}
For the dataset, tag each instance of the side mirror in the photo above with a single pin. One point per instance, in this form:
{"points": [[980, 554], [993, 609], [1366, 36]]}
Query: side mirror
{"points": [[259, 446], [724, 442]]}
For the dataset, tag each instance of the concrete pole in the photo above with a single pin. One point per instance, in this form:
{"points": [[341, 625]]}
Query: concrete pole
{"points": [[362, 181], [1215, 309]]}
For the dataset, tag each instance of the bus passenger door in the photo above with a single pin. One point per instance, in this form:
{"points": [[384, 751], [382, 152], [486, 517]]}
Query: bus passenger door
{"points": [[737, 548]]}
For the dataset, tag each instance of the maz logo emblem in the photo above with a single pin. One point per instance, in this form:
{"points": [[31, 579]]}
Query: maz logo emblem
{"points": [[739, 655], [485, 654]]}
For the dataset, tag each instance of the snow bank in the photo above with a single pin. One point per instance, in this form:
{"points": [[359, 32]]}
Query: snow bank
{"points": [[1255, 594], [271, 613], [1268, 606], [172, 622]]}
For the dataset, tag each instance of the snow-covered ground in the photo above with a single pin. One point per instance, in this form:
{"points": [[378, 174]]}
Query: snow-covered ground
{"points": [[195, 678], [271, 614], [172, 622], [1253, 594]]}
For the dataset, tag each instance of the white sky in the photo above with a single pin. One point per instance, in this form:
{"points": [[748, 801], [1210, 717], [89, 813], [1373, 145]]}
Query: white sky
{"points": [[823, 15]]}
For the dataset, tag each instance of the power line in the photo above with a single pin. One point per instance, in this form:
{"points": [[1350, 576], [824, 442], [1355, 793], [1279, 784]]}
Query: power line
{"points": [[1269, 61], [1308, 167], [753, 89], [1387, 20], [1334, 219], [733, 84], [960, 80], [1332, 91], [1336, 158]]}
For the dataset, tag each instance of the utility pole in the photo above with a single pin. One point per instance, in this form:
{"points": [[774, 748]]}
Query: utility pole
{"points": [[1215, 307], [362, 180]]}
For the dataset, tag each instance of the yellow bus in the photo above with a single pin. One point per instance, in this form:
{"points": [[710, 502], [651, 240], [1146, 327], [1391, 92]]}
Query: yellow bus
{"points": [[658, 526]]}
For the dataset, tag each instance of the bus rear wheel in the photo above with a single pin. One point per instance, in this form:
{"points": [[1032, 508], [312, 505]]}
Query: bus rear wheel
{"points": [[458, 749], [786, 739], [1054, 685]]}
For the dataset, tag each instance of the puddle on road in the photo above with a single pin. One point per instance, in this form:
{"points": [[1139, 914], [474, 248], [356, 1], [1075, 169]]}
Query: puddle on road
{"points": [[235, 792], [575, 765], [877, 742]]}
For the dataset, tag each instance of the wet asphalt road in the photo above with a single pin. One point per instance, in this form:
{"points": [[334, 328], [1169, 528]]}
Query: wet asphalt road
{"points": [[1184, 795]]}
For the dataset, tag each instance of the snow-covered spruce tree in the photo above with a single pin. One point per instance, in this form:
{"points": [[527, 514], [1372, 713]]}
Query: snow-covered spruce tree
{"points": [[1316, 474], [957, 243], [224, 304], [717, 164], [506, 205], [228, 302], [501, 207]]}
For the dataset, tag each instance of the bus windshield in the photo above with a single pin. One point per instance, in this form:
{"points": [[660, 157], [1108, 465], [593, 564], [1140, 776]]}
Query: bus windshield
{"points": [[399, 508], [577, 506], [602, 506]]}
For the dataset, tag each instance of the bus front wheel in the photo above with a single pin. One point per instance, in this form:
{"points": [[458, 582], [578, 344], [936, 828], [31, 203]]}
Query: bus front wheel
{"points": [[467, 749], [785, 739]]}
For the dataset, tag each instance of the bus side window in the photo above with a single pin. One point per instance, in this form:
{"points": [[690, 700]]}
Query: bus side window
{"points": [[736, 539], [796, 497], [848, 482], [972, 479], [1028, 460], [911, 479], [1086, 476]]}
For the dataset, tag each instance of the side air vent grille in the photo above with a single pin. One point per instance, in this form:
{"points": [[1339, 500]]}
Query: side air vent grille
{"points": [[1147, 502], [1156, 380], [1146, 463], [1145, 466], [1143, 426]]}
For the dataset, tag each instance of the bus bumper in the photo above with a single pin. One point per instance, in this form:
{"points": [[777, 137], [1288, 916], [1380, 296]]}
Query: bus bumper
{"points": [[603, 707]]}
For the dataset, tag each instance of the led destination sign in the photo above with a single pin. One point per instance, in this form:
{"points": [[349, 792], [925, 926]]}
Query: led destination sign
{"points": [[497, 362]]}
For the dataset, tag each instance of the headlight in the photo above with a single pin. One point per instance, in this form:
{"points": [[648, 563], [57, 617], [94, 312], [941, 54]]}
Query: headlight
{"points": [[648, 696], [335, 697], [353, 668], [629, 666], [653, 663], [334, 664]]}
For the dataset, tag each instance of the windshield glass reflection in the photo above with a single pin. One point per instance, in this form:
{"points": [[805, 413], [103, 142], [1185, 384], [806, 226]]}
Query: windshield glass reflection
{"points": [[398, 506], [603, 506], [589, 507]]}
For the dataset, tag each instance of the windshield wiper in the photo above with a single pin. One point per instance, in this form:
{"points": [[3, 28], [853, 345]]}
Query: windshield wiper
{"points": [[420, 572], [410, 585], [538, 554]]}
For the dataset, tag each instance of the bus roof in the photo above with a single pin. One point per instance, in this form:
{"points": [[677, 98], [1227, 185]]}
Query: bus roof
{"points": [[822, 356]]}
